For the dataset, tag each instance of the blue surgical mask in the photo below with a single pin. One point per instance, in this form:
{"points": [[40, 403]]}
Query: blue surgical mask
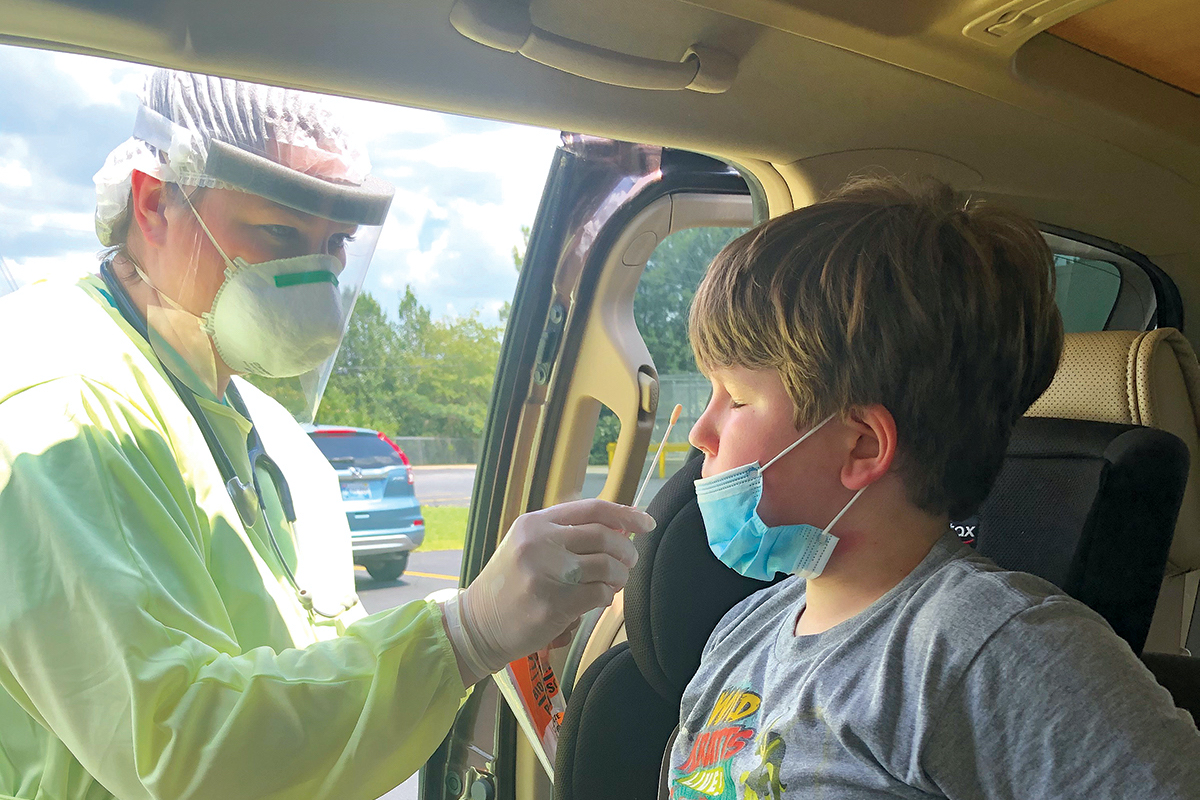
{"points": [[743, 542]]}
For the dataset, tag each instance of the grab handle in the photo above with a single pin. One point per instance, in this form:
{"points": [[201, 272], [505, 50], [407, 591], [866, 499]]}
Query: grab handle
{"points": [[509, 28]]}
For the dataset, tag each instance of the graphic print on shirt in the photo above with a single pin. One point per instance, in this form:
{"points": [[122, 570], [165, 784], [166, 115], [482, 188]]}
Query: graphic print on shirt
{"points": [[762, 782], [706, 773]]}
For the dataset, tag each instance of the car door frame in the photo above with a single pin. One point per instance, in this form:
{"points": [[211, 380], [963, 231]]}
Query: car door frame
{"points": [[546, 327]]}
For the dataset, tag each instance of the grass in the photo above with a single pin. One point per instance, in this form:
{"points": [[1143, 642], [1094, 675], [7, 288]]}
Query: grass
{"points": [[445, 527]]}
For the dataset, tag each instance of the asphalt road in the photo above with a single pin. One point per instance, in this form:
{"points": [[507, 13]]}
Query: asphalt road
{"points": [[427, 572], [444, 485]]}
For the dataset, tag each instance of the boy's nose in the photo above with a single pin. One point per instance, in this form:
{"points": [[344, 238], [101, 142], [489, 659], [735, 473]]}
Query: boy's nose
{"points": [[703, 436]]}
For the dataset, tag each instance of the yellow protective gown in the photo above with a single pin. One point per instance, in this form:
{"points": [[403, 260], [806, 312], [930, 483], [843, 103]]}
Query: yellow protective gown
{"points": [[150, 646]]}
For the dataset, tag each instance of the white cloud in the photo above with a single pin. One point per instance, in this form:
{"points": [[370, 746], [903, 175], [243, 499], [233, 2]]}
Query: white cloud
{"points": [[66, 221], [101, 81], [375, 121], [13, 175], [469, 264]]}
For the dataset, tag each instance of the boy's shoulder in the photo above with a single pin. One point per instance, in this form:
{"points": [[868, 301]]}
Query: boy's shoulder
{"points": [[968, 598], [760, 611], [955, 595]]}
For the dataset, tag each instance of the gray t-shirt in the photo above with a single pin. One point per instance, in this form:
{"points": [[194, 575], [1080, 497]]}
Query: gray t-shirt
{"points": [[964, 681]]}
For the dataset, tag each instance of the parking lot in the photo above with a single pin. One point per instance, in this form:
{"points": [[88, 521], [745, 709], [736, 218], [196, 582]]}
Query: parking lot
{"points": [[427, 572]]}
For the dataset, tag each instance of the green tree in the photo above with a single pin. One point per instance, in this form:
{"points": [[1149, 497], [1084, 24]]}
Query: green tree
{"points": [[415, 322], [664, 295], [518, 253], [608, 427], [453, 371], [368, 385], [518, 257], [414, 376]]}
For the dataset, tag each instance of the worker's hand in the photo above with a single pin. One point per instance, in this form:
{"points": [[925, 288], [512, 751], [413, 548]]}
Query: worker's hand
{"points": [[552, 567]]}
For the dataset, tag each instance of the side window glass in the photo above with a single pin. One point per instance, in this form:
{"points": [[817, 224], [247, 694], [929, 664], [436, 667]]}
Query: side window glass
{"points": [[660, 307], [1086, 292], [1104, 286]]}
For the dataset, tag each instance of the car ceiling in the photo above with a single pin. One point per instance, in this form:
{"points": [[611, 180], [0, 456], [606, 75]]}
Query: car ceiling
{"points": [[823, 88]]}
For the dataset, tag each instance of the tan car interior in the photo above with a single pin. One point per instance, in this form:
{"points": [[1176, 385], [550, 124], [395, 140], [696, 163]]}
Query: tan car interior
{"points": [[1082, 113], [1142, 378]]}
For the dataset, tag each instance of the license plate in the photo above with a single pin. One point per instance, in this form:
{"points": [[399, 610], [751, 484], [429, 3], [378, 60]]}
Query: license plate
{"points": [[356, 490]]}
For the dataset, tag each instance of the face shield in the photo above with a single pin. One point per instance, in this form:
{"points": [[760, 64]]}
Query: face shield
{"points": [[248, 239]]}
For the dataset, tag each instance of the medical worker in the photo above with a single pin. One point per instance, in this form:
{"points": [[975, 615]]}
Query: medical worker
{"points": [[177, 610]]}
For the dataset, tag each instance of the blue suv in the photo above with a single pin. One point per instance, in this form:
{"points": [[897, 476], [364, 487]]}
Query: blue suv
{"points": [[377, 492]]}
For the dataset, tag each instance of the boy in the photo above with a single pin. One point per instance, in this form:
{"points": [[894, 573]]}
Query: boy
{"points": [[873, 352]]}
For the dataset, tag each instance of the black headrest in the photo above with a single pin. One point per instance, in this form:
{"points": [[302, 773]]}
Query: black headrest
{"points": [[1090, 507], [678, 591]]}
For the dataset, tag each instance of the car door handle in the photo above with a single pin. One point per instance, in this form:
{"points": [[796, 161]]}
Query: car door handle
{"points": [[509, 28]]}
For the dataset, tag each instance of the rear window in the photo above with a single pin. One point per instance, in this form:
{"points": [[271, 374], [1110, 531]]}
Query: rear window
{"points": [[362, 450], [1087, 291], [1103, 286]]}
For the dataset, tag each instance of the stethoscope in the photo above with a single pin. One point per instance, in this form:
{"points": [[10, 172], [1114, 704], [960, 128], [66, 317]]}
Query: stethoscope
{"points": [[247, 498]]}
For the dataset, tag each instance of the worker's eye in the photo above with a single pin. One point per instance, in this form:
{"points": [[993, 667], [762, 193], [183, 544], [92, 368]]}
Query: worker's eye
{"points": [[280, 233], [338, 242]]}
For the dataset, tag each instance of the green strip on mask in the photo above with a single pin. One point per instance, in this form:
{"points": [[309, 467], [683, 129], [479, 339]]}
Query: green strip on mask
{"points": [[298, 278]]}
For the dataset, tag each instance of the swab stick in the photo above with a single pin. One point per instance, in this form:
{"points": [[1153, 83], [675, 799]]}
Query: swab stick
{"points": [[674, 418]]}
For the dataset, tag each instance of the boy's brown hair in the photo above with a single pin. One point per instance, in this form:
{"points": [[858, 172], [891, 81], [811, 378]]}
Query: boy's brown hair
{"points": [[940, 310]]}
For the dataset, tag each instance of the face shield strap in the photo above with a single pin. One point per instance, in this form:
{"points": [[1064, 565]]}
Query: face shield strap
{"points": [[352, 205], [182, 148], [226, 165]]}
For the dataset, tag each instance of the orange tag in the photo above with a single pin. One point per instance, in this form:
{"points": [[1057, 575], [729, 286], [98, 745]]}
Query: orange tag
{"points": [[531, 689]]}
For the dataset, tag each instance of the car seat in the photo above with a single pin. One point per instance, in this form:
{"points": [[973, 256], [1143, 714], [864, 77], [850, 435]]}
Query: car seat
{"points": [[1147, 378], [1098, 500]]}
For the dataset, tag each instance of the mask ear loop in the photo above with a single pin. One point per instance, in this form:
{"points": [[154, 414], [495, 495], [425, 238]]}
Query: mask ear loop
{"points": [[204, 227], [794, 444], [171, 302], [842, 513]]}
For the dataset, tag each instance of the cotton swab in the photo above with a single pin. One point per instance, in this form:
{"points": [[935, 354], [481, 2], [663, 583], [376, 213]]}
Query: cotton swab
{"points": [[674, 418]]}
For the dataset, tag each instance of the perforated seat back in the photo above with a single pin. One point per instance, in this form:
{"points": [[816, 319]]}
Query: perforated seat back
{"points": [[1090, 507], [1149, 378]]}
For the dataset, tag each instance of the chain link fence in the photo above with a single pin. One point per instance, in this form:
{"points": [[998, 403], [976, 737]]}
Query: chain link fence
{"points": [[426, 450]]}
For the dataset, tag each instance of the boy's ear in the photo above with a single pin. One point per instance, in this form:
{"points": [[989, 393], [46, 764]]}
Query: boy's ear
{"points": [[147, 201], [873, 450]]}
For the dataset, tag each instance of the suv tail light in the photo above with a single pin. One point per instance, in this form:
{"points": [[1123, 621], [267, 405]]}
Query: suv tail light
{"points": [[403, 458]]}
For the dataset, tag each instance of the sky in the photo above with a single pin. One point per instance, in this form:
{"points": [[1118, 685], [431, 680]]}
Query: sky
{"points": [[464, 187]]}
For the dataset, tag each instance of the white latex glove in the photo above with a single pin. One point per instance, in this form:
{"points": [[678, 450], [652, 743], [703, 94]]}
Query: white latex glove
{"points": [[553, 566]]}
